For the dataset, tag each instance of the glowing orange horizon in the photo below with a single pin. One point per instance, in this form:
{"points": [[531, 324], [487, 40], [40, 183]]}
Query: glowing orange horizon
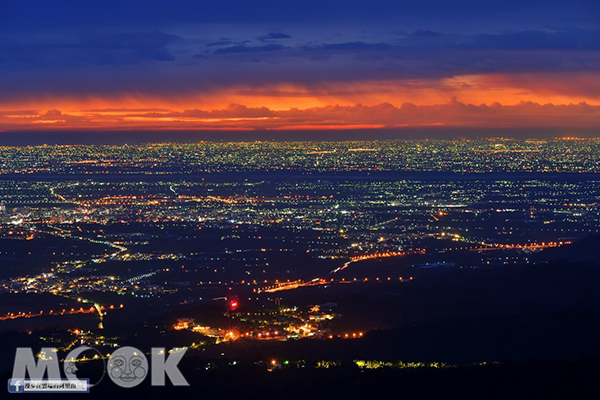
{"points": [[496, 100]]}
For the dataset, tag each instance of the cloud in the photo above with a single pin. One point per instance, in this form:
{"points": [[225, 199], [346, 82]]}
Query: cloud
{"points": [[232, 111], [425, 33], [354, 46], [273, 36], [384, 115], [249, 49], [283, 59], [89, 49], [219, 43], [565, 39], [53, 113], [161, 64]]}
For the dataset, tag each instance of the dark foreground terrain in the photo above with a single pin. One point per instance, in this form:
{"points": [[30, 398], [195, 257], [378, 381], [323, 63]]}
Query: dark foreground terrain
{"points": [[513, 332], [534, 379]]}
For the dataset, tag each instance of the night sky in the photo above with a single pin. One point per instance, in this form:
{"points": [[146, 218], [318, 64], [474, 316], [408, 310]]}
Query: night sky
{"points": [[288, 65]]}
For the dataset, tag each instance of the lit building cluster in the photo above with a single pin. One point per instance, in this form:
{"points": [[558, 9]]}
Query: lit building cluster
{"points": [[462, 156], [176, 234]]}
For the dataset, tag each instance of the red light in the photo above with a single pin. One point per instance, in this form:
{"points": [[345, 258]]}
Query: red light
{"points": [[233, 305]]}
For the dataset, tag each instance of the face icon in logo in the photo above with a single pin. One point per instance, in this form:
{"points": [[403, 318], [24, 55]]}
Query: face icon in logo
{"points": [[127, 367], [70, 369]]}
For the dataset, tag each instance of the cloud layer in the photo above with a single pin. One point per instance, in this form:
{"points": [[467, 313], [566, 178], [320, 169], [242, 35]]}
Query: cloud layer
{"points": [[235, 116], [384, 63]]}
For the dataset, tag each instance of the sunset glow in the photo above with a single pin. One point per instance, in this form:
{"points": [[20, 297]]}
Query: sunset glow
{"points": [[386, 66]]}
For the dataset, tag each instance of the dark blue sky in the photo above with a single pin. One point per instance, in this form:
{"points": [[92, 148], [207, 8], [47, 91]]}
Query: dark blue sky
{"points": [[177, 55]]}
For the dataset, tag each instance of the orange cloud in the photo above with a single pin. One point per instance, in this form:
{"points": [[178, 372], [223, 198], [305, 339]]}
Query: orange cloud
{"points": [[528, 100], [384, 115], [556, 88]]}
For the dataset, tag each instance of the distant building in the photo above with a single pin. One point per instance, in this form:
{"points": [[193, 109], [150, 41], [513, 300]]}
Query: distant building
{"points": [[183, 323]]}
